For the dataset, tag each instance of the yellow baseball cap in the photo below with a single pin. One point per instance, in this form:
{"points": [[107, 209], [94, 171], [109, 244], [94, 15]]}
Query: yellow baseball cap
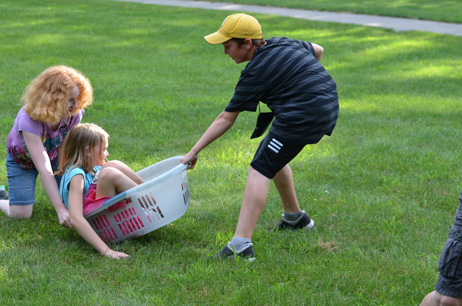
{"points": [[236, 26]]}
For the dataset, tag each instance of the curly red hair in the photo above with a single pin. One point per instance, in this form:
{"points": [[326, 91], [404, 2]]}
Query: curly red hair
{"points": [[46, 97]]}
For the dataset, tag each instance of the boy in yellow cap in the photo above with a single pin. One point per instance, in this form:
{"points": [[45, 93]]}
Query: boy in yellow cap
{"points": [[286, 75]]}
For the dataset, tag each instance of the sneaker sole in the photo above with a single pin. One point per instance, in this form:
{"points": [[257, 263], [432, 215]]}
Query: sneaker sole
{"points": [[249, 259], [305, 228], [309, 226]]}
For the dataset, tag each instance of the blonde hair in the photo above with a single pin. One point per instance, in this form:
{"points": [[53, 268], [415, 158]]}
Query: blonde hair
{"points": [[46, 97], [72, 152]]}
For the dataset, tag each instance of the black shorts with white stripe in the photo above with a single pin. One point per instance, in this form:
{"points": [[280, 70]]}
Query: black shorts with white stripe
{"points": [[273, 154]]}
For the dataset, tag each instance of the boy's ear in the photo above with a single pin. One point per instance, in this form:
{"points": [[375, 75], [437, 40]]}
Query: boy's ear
{"points": [[248, 43]]}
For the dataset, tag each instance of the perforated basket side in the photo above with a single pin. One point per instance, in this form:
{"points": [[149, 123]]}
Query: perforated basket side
{"points": [[123, 223], [150, 209]]}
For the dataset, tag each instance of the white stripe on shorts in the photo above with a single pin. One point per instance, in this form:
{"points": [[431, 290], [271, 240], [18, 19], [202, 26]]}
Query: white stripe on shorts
{"points": [[275, 145]]}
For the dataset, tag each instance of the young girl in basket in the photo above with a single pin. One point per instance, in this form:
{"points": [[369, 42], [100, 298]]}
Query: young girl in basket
{"points": [[88, 181], [54, 103]]}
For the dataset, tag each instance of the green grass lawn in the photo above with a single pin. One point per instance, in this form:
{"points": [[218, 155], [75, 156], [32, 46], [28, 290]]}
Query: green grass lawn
{"points": [[442, 10], [383, 190]]}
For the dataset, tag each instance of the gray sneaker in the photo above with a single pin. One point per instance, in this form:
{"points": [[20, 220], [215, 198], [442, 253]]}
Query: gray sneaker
{"points": [[3, 193], [228, 252], [303, 222]]}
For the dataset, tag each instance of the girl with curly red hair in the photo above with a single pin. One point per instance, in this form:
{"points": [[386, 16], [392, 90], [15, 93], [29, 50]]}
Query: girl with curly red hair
{"points": [[53, 104]]}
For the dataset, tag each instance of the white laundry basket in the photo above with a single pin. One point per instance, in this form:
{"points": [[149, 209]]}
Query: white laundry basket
{"points": [[160, 200]]}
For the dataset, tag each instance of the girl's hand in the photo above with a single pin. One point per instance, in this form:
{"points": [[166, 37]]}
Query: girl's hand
{"points": [[43, 164], [114, 254], [63, 216], [81, 224]]}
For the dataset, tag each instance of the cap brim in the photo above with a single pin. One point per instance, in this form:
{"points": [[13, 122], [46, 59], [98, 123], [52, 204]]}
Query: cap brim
{"points": [[216, 38]]}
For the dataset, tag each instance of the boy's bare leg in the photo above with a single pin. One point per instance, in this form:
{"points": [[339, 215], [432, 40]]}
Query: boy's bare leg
{"points": [[284, 182], [436, 299], [255, 194]]}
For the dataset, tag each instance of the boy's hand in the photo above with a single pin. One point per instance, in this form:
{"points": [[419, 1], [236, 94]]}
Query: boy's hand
{"points": [[190, 160]]}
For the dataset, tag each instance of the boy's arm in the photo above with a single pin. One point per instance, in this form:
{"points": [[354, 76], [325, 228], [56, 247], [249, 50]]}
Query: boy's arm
{"points": [[221, 124], [318, 50], [81, 225], [43, 165]]}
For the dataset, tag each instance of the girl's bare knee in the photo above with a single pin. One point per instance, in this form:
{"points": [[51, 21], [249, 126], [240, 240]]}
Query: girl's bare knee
{"points": [[108, 173], [20, 211], [114, 164]]}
